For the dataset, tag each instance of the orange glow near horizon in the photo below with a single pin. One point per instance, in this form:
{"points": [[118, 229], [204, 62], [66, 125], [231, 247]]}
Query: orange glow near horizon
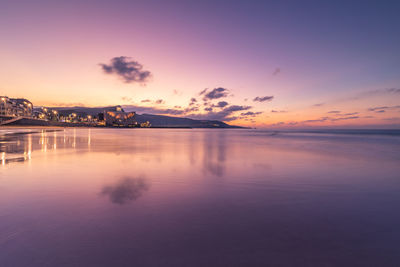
{"points": [[59, 64]]}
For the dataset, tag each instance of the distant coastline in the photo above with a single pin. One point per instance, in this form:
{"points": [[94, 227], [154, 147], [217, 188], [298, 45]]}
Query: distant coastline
{"points": [[162, 123], [21, 112]]}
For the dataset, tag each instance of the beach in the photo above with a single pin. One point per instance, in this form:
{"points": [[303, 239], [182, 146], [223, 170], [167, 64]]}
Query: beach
{"points": [[198, 197]]}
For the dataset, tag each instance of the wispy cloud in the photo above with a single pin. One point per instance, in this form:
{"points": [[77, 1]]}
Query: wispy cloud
{"points": [[319, 104], [251, 113], [202, 92], [176, 92], [263, 98], [128, 70], [324, 119], [62, 104], [158, 101], [383, 91], [153, 110], [350, 114], [383, 108], [345, 118], [371, 93], [276, 71], [316, 120]]}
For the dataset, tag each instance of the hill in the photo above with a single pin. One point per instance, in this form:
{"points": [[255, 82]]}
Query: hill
{"points": [[155, 120]]}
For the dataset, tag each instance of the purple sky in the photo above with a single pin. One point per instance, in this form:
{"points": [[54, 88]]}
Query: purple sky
{"points": [[312, 57]]}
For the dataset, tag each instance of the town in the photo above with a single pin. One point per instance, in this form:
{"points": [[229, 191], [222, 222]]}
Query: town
{"points": [[20, 111]]}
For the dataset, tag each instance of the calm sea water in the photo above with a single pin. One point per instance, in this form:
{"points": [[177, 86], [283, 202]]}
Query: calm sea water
{"points": [[182, 197]]}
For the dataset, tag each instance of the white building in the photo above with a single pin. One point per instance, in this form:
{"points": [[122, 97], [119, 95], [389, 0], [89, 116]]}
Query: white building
{"points": [[16, 107]]}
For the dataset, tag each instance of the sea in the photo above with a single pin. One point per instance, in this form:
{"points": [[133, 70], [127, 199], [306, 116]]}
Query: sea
{"points": [[199, 197]]}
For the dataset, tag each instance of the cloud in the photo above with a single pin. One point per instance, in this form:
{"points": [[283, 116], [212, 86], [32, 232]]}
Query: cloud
{"points": [[191, 109], [276, 71], [318, 104], [345, 118], [204, 109], [215, 93], [230, 119], [278, 111], [278, 124], [366, 94], [350, 114], [236, 108], [323, 119], [384, 91], [221, 104], [127, 98], [377, 108], [153, 110], [383, 109], [176, 92], [192, 101], [71, 104], [263, 98], [128, 70], [223, 115], [317, 120], [392, 90], [392, 119], [202, 92], [251, 113], [159, 101], [334, 111], [125, 190]]}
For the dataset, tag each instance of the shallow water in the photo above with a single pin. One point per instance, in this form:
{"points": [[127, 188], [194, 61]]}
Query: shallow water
{"points": [[185, 197]]}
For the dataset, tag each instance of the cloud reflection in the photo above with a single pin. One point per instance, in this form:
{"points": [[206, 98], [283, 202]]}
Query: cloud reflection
{"points": [[125, 190]]}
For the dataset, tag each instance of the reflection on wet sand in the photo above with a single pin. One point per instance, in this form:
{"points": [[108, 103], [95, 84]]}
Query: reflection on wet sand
{"points": [[214, 153], [19, 146], [197, 197], [126, 190], [210, 147]]}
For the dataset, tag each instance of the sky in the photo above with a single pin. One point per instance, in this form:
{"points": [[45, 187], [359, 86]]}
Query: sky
{"points": [[266, 64]]}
